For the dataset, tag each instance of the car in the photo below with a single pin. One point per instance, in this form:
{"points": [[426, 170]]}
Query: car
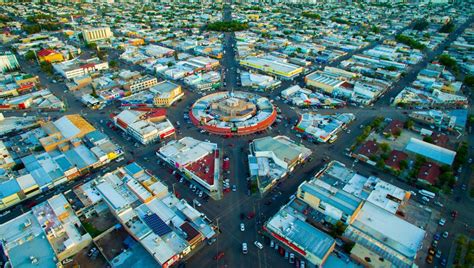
{"points": [[91, 251], [242, 227], [464, 187], [431, 251], [429, 259], [181, 180], [211, 241], [426, 199], [244, 248], [219, 255], [443, 262], [272, 243], [200, 193], [454, 214], [234, 188], [438, 254], [434, 244], [469, 161], [287, 255], [292, 258], [302, 264], [250, 215], [196, 203], [436, 236], [258, 244], [445, 234], [442, 221], [277, 247]]}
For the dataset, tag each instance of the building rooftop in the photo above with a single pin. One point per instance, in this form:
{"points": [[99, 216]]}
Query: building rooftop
{"points": [[301, 234], [21, 238], [379, 224], [431, 151]]}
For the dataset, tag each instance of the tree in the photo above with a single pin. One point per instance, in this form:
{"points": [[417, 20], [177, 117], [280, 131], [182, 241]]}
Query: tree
{"points": [[409, 42], [447, 28], [403, 164], [385, 147], [113, 64], [420, 24], [469, 80], [428, 139], [47, 67], [380, 163], [30, 55], [447, 61], [409, 124]]}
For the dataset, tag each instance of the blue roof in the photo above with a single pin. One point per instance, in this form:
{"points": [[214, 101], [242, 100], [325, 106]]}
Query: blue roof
{"points": [[95, 136], [133, 168], [30, 162], [461, 117], [75, 159], [41, 177], [63, 163], [9, 187], [157, 225], [341, 200], [434, 152]]}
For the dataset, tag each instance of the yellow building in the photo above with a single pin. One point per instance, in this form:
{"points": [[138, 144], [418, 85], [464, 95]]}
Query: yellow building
{"points": [[49, 55], [253, 17], [136, 42], [275, 67], [323, 82], [166, 93], [67, 128]]}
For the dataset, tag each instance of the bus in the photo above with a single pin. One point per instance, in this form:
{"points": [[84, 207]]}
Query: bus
{"points": [[427, 193]]}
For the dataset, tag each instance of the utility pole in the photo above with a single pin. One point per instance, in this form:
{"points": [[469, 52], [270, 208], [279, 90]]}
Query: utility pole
{"points": [[217, 242]]}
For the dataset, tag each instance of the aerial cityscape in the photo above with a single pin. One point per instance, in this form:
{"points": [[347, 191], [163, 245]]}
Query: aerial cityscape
{"points": [[237, 133]]}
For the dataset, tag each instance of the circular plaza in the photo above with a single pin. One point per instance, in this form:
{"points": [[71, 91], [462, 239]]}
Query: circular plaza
{"points": [[233, 113]]}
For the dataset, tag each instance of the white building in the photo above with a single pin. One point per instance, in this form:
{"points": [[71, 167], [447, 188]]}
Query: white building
{"points": [[96, 34]]}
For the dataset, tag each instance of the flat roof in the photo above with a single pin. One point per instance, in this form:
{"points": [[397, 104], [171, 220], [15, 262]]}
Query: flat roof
{"points": [[389, 229], [335, 197], [22, 237], [300, 233]]}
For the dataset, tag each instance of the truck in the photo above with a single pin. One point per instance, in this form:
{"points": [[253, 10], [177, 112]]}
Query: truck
{"points": [[427, 193]]}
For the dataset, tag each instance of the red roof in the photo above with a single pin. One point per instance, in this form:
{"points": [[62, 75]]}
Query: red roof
{"points": [[429, 172], [368, 148], [199, 168], [393, 127], [394, 159], [440, 139], [156, 113], [88, 65], [46, 52]]}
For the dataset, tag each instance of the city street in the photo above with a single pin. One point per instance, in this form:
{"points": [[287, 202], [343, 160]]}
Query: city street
{"points": [[226, 213]]}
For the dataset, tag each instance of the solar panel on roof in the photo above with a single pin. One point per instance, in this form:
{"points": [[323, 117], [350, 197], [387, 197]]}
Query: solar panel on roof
{"points": [[157, 225]]}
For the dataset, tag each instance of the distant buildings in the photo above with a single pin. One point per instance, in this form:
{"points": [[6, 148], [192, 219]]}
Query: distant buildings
{"points": [[8, 62], [273, 65], [74, 68], [49, 55], [96, 34]]}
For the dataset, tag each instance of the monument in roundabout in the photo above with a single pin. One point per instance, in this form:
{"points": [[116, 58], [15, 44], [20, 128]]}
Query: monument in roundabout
{"points": [[233, 113]]}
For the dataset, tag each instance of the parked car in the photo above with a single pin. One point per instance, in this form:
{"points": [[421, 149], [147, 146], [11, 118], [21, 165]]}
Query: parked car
{"points": [[445, 234], [292, 258], [442, 221], [242, 227]]}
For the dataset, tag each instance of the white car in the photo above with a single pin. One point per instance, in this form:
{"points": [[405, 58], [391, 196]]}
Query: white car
{"points": [[442, 221], [445, 234], [244, 248], [200, 194], [197, 203], [258, 244], [242, 227]]}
